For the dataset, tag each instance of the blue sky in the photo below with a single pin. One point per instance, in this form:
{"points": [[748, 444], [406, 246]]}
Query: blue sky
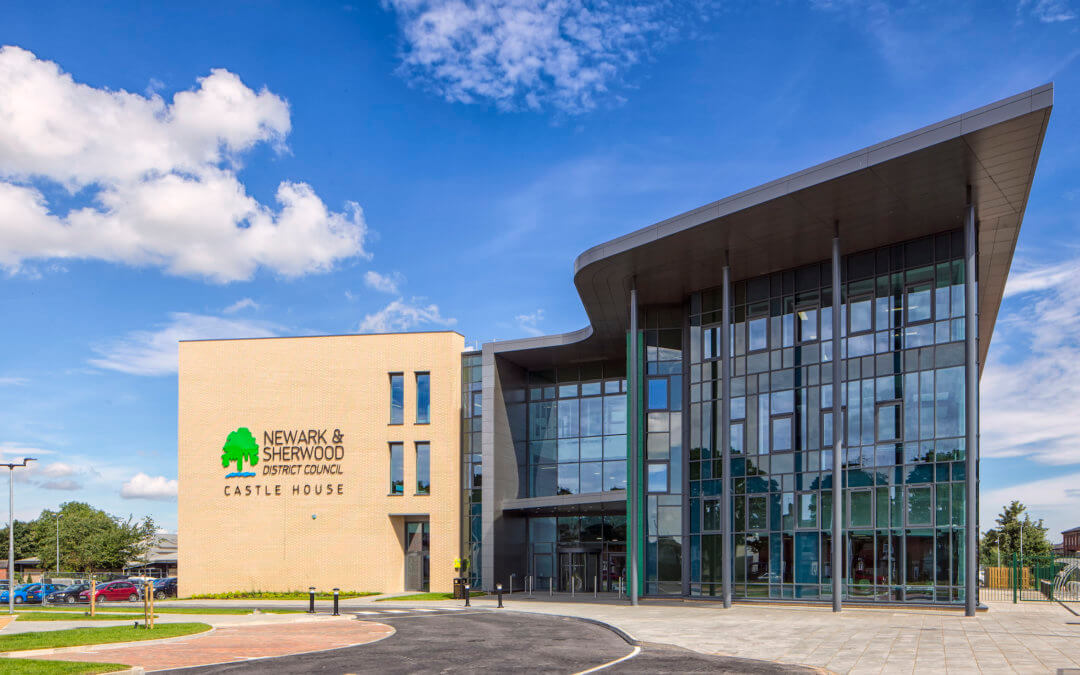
{"points": [[226, 169]]}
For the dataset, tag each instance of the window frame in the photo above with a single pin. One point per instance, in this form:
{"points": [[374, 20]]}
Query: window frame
{"points": [[391, 377], [416, 455], [907, 306], [401, 446], [897, 403], [849, 303], [417, 375]]}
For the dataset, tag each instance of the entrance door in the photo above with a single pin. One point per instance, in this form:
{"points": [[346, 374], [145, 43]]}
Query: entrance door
{"points": [[613, 572], [578, 571], [417, 541]]}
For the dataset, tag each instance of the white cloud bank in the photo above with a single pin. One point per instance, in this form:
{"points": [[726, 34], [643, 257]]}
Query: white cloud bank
{"points": [[401, 315], [564, 54], [1047, 11], [142, 486], [384, 283], [1030, 390], [158, 179], [154, 352]]}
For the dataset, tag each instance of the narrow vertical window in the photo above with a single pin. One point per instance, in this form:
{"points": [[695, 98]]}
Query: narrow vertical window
{"points": [[423, 398], [397, 398], [397, 468], [423, 468]]}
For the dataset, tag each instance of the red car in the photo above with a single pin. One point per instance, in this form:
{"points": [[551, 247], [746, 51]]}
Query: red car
{"points": [[114, 590]]}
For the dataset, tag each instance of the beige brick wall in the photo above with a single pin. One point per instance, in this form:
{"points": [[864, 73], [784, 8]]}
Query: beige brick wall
{"points": [[354, 542]]}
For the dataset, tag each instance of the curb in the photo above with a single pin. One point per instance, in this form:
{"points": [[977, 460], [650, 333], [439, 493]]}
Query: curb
{"points": [[30, 653]]}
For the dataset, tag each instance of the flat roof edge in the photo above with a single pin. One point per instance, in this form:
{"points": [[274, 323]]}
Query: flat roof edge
{"points": [[331, 335]]}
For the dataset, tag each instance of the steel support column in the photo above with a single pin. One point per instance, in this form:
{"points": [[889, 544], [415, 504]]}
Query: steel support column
{"points": [[726, 552], [635, 488], [971, 409], [838, 429]]}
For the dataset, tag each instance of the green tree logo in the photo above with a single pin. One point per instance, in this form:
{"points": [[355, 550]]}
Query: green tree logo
{"points": [[240, 445]]}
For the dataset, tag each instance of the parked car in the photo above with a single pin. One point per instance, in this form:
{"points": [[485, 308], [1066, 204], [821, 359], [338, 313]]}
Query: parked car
{"points": [[20, 593], [165, 588], [67, 595], [42, 591], [113, 591]]}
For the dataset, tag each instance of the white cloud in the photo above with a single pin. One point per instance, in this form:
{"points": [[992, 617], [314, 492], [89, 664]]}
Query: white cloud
{"points": [[142, 486], [58, 470], [245, 303], [12, 381], [18, 450], [1030, 390], [1047, 11], [65, 484], [401, 315], [565, 54], [529, 322], [154, 352], [158, 179], [384, 283]]}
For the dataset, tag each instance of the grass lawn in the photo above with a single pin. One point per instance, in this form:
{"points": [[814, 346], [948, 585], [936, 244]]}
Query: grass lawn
{"points": [[42, 667], [283, 595], [95, 636], [160, 610], [430, 596], [71, 616]]}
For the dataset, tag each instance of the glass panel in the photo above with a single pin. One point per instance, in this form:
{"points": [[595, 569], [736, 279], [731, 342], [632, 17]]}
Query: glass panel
{"points": [[860, 315], [423, 398], [918, 303], [658, 477], [918, 508], [889, 422], [781, 434], [591, 477], [614, 476], [397, 468], [758, 334], [568, 479], [657, 393], [615, 414], [861, 513], [423, 468], [397, 398], [592, 417]]}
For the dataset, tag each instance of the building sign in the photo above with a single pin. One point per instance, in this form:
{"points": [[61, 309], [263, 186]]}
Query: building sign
{"points": [[313, 455]]}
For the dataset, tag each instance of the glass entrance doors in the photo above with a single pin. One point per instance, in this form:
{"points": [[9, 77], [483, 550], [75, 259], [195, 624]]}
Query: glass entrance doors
{"points": [[578, 571], [417, 563], [613, 573]]}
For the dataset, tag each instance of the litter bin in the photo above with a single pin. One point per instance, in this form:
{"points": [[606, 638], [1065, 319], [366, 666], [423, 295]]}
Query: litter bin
{"points": [[459, 587]]}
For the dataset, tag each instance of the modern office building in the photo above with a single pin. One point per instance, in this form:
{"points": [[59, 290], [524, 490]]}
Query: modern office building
{"points": [[776, 390], [776, 397], [324, 461]]}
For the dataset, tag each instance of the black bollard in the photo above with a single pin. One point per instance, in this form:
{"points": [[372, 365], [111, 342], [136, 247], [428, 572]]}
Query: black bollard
{"points": [[335, 602], [498, 589], [311, 600], [467, 594]]}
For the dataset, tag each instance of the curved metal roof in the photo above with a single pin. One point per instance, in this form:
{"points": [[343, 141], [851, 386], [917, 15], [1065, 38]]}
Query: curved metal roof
{"points": [[903, 188]]}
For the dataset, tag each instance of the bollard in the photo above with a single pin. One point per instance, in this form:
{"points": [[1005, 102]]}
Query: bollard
{"points": [[511, 591], [551, 586], [311, 600], [573, 586], [594, 587], [467, 594], [620, 587], [498, 590], [336, 602]]}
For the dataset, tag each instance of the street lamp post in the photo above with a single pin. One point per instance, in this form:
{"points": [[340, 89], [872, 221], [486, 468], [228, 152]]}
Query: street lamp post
{"points": [[57, 544], [11, 529]]}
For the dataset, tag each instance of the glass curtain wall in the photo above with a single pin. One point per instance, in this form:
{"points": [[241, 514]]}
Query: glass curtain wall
{"points": [[903, 429], [471, 468], [574, 439], [663, 390]]}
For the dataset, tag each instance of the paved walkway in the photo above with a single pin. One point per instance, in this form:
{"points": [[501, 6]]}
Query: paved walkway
{"points": [[232, 644], [1026, 638], [26, 624]]}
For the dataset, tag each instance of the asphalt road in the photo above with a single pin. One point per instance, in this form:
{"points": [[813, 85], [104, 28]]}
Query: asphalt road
{"points": [[494, 641]]}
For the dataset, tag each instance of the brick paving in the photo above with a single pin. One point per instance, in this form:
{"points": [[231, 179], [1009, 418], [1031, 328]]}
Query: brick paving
{"points": [[233, 644], [1034, 637]]}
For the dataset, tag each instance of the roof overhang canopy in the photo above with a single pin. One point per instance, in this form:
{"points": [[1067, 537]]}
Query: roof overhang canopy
{"points": [[904, 188]]}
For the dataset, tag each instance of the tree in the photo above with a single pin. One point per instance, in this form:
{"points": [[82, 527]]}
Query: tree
{"points": [[90, 539], [24, 544], [1005, 538], [240, 445]]}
